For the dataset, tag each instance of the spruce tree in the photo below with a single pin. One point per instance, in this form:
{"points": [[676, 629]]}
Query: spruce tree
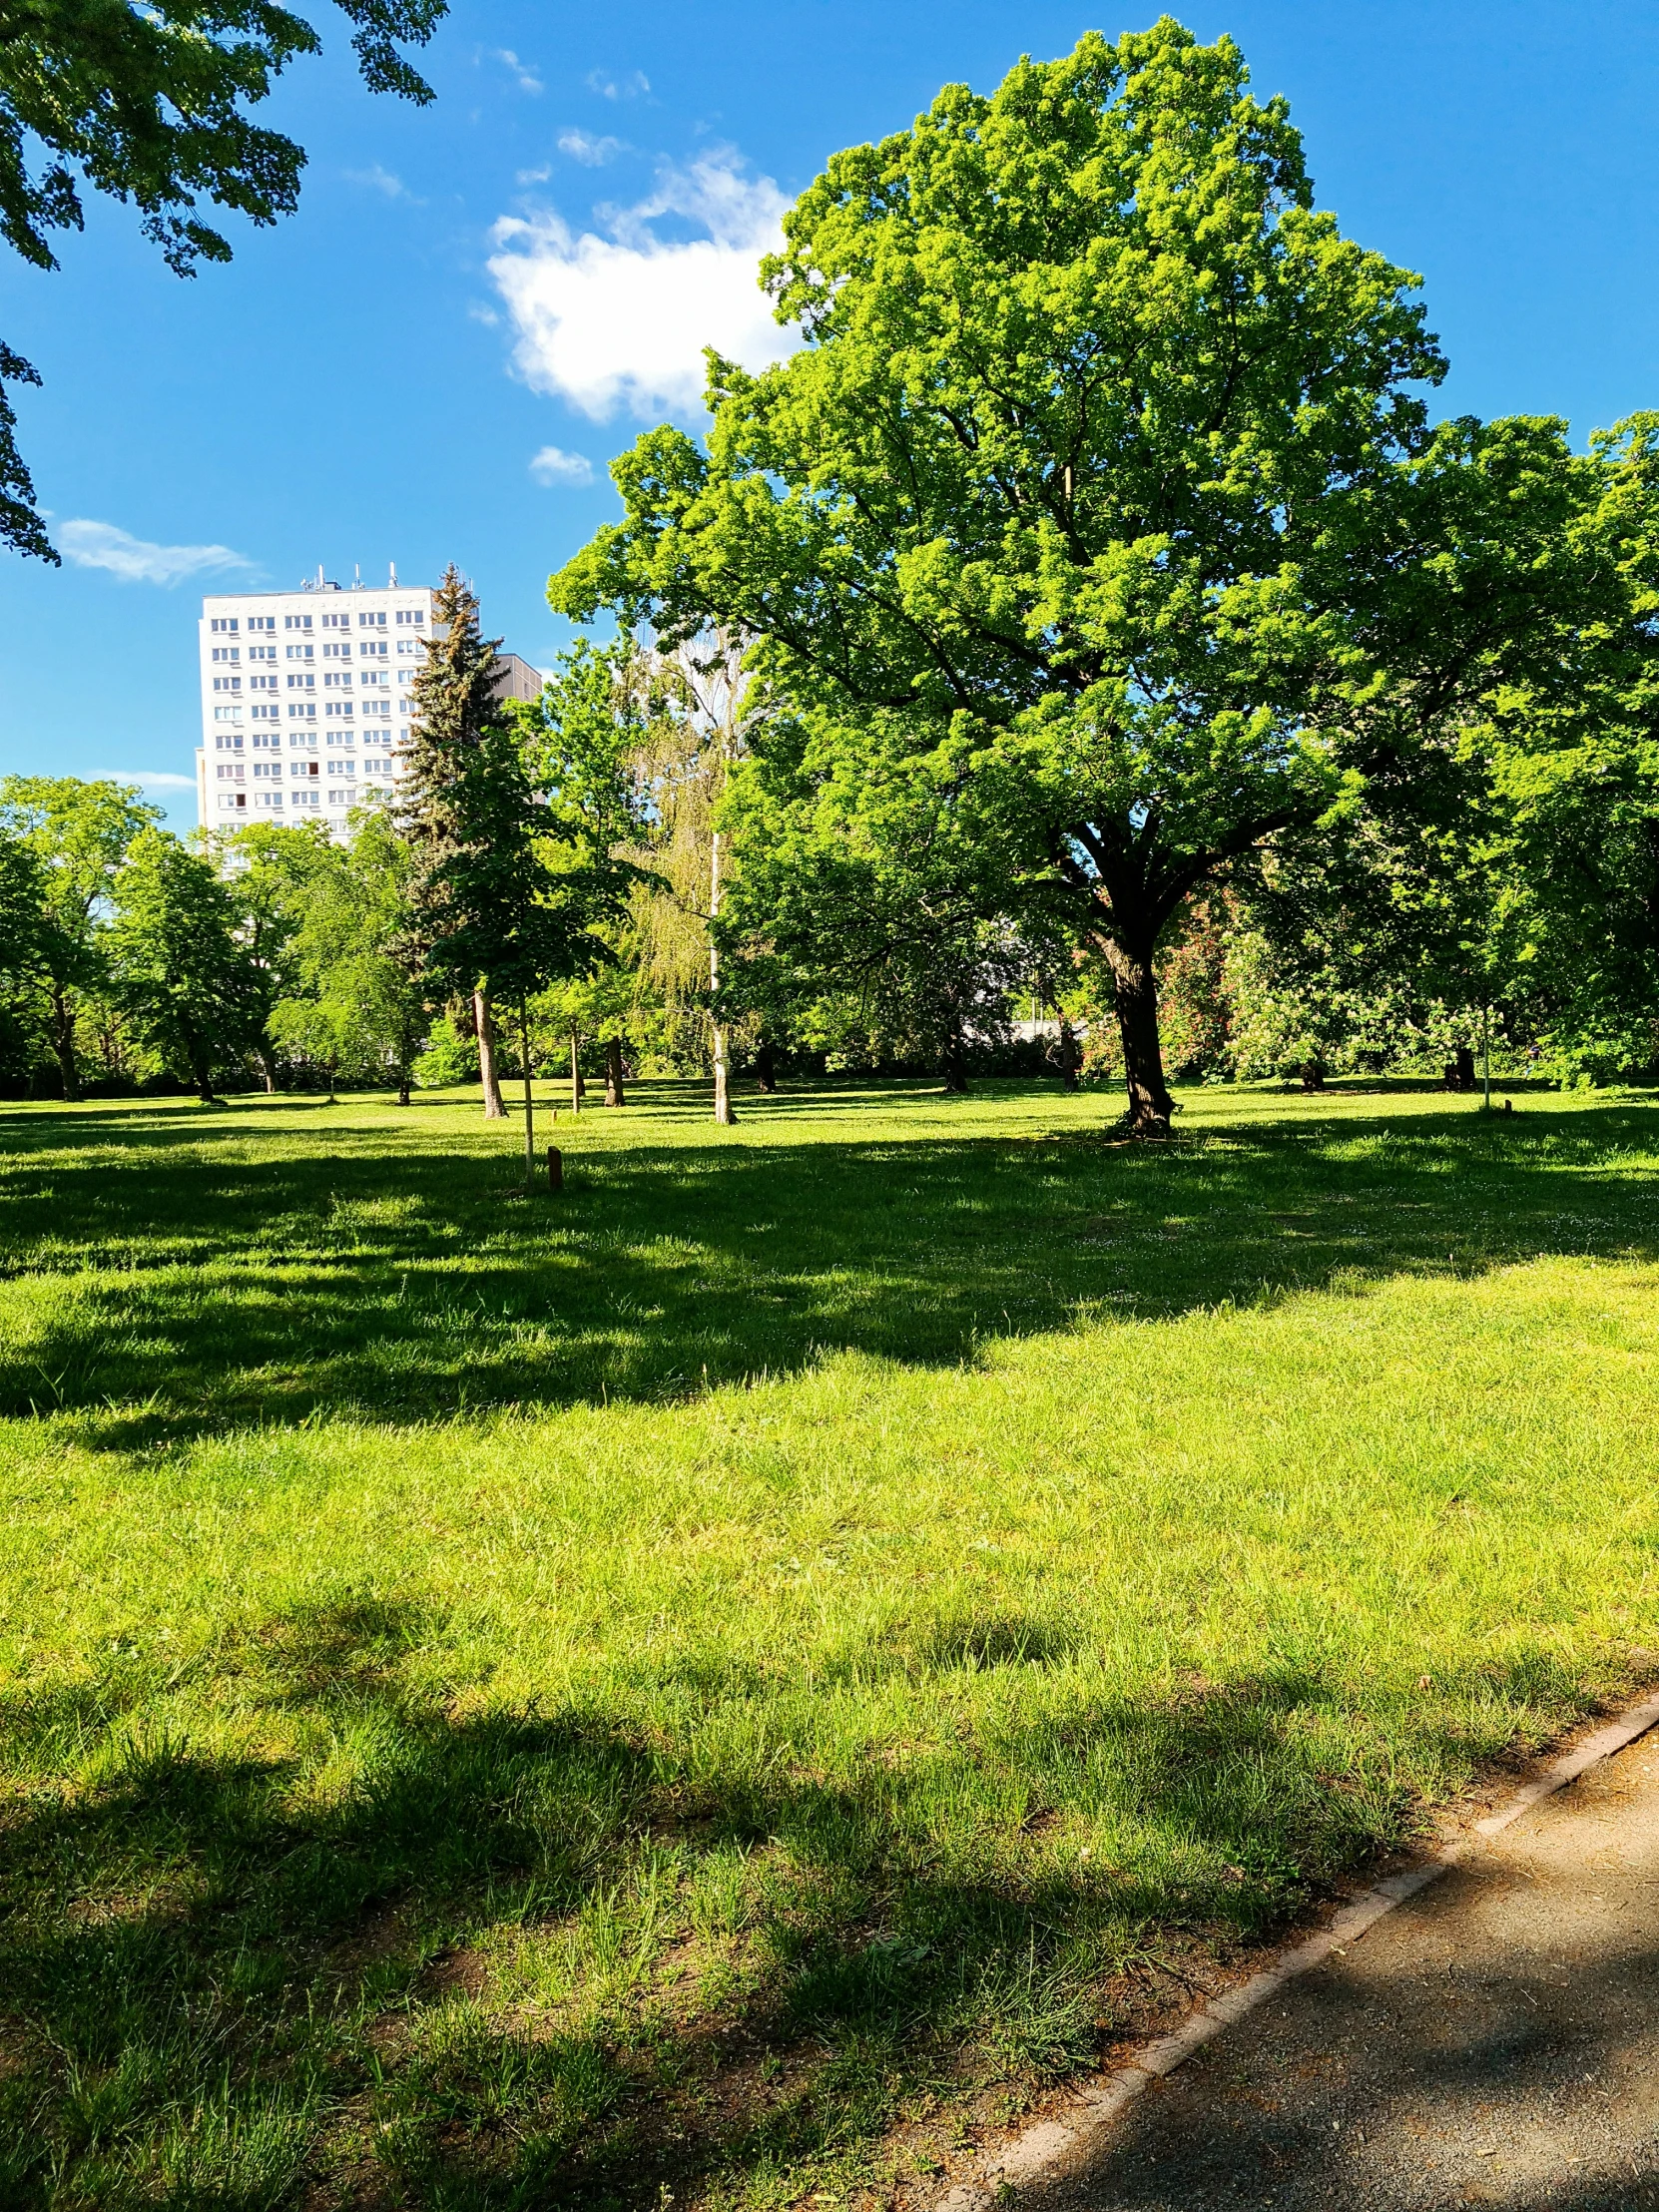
{"points": [[458, 720]]}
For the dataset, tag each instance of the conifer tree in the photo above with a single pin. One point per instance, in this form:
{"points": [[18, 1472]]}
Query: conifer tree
{"points": [[457, 719]]}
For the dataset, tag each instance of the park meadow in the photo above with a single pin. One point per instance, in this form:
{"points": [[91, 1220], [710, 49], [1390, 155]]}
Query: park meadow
{"points": [[729, 1681]]}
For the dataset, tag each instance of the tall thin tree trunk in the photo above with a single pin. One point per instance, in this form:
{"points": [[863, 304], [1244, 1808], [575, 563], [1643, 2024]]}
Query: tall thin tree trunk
{"points": [[63, 1043], [614, 1094], [1135, 994], [529, 1099], [575, 1074], [722, 1042], [484, 1021], [268, 1068]]}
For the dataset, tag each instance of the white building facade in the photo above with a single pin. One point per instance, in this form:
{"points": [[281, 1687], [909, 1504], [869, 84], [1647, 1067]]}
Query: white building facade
{"points": [[306, 700]]}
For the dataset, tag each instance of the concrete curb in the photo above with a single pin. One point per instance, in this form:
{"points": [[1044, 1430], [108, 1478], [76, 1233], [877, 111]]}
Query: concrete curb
{"points": [[1031, 2155]]}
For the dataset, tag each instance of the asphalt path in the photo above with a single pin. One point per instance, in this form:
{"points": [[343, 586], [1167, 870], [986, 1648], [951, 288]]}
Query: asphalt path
{"points": [[1494, 2042]]}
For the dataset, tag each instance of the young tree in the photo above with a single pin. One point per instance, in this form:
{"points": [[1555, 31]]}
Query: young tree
{"points": [[80, 833], [178, 961], [1101, 498], [276, 866], [146, 105]]}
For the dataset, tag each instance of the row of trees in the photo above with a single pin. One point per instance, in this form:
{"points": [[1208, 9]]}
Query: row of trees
{"points": [[1087, 619]]}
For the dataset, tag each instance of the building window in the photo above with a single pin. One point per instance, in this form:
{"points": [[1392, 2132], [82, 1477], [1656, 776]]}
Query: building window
{"points": [[336, 682], [262, 622], [336, 622], [302, 714], [226, 652], [371, 622], [337, 653], [224, 624], [375, 646], [227, 714], [301, 652], [301, 683], [296, 622], [413, 615], [261, 742], [261, 653]]}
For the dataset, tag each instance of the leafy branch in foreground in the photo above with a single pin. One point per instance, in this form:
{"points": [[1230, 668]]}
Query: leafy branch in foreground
{"points": [[146, 103]]}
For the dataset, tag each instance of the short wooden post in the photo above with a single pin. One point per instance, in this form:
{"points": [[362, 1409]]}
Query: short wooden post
{"points": [[555, 1167]]}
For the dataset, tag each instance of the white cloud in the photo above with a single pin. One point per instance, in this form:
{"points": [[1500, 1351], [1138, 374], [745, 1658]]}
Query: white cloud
{"points": [[136, 561], [151, 779], [619, 88], [552, 466], [382, 180], [528, 81], [533, 176], [591, 152], [622, 320]]}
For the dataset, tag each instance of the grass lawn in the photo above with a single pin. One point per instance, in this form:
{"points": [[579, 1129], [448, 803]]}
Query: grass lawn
{"points": [[731, 1677]]}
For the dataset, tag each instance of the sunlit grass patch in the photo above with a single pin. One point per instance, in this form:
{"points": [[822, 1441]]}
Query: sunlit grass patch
{"points": [[718, 1680]]}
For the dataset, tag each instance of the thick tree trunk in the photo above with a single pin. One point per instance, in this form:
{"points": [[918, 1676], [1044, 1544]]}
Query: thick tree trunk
{"points": [[614, 1093], [404, 1085], [63, 1044], [268, 1068], [1312, 1075], [484, 1021], [1069, 1055], [955, 1068], [765, 1066], [1135, 994], [1466, 1067]]}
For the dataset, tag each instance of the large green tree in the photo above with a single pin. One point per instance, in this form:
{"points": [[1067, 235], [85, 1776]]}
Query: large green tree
{"points": [[1100, 501], [179, 961], [147, 103], [79, 832], [349, 1002]]}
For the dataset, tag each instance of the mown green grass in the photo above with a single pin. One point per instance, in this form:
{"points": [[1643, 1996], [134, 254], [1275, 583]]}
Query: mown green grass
{"points": [[716, 1679]]}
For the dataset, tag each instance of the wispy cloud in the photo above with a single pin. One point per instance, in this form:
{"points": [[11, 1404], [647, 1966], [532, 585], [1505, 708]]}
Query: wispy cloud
{"points": [[151, 779], [524, 72], [605, 322], [618, 88], [136, 561], [533, 176], [377, 179], [591, 152], [554, 466]]}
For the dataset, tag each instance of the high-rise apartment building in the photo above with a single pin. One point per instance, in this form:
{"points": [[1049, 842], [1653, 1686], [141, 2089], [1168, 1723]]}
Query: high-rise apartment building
{"points": [[305, 699]]}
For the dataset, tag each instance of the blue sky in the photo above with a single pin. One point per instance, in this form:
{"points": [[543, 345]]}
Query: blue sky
{"points": [[480, 302]]}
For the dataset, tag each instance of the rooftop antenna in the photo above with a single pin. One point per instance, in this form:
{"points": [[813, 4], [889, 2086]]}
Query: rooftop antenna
{"points": [[319, 575], [356, 576], [393, 586]]}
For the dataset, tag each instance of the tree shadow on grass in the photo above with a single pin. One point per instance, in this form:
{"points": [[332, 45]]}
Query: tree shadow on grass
{"points": [[362, 1946], [165, 1294]]}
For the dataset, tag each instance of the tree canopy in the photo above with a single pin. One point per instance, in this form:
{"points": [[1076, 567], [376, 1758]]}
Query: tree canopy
{"points": [[1098, 523]]}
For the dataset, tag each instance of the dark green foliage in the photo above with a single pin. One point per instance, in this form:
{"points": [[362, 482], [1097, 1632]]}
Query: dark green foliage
{"points": [[147, 103]]}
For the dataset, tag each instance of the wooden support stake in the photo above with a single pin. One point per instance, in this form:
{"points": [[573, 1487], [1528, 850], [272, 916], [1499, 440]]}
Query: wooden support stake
{"points": [[555, 1167]]}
